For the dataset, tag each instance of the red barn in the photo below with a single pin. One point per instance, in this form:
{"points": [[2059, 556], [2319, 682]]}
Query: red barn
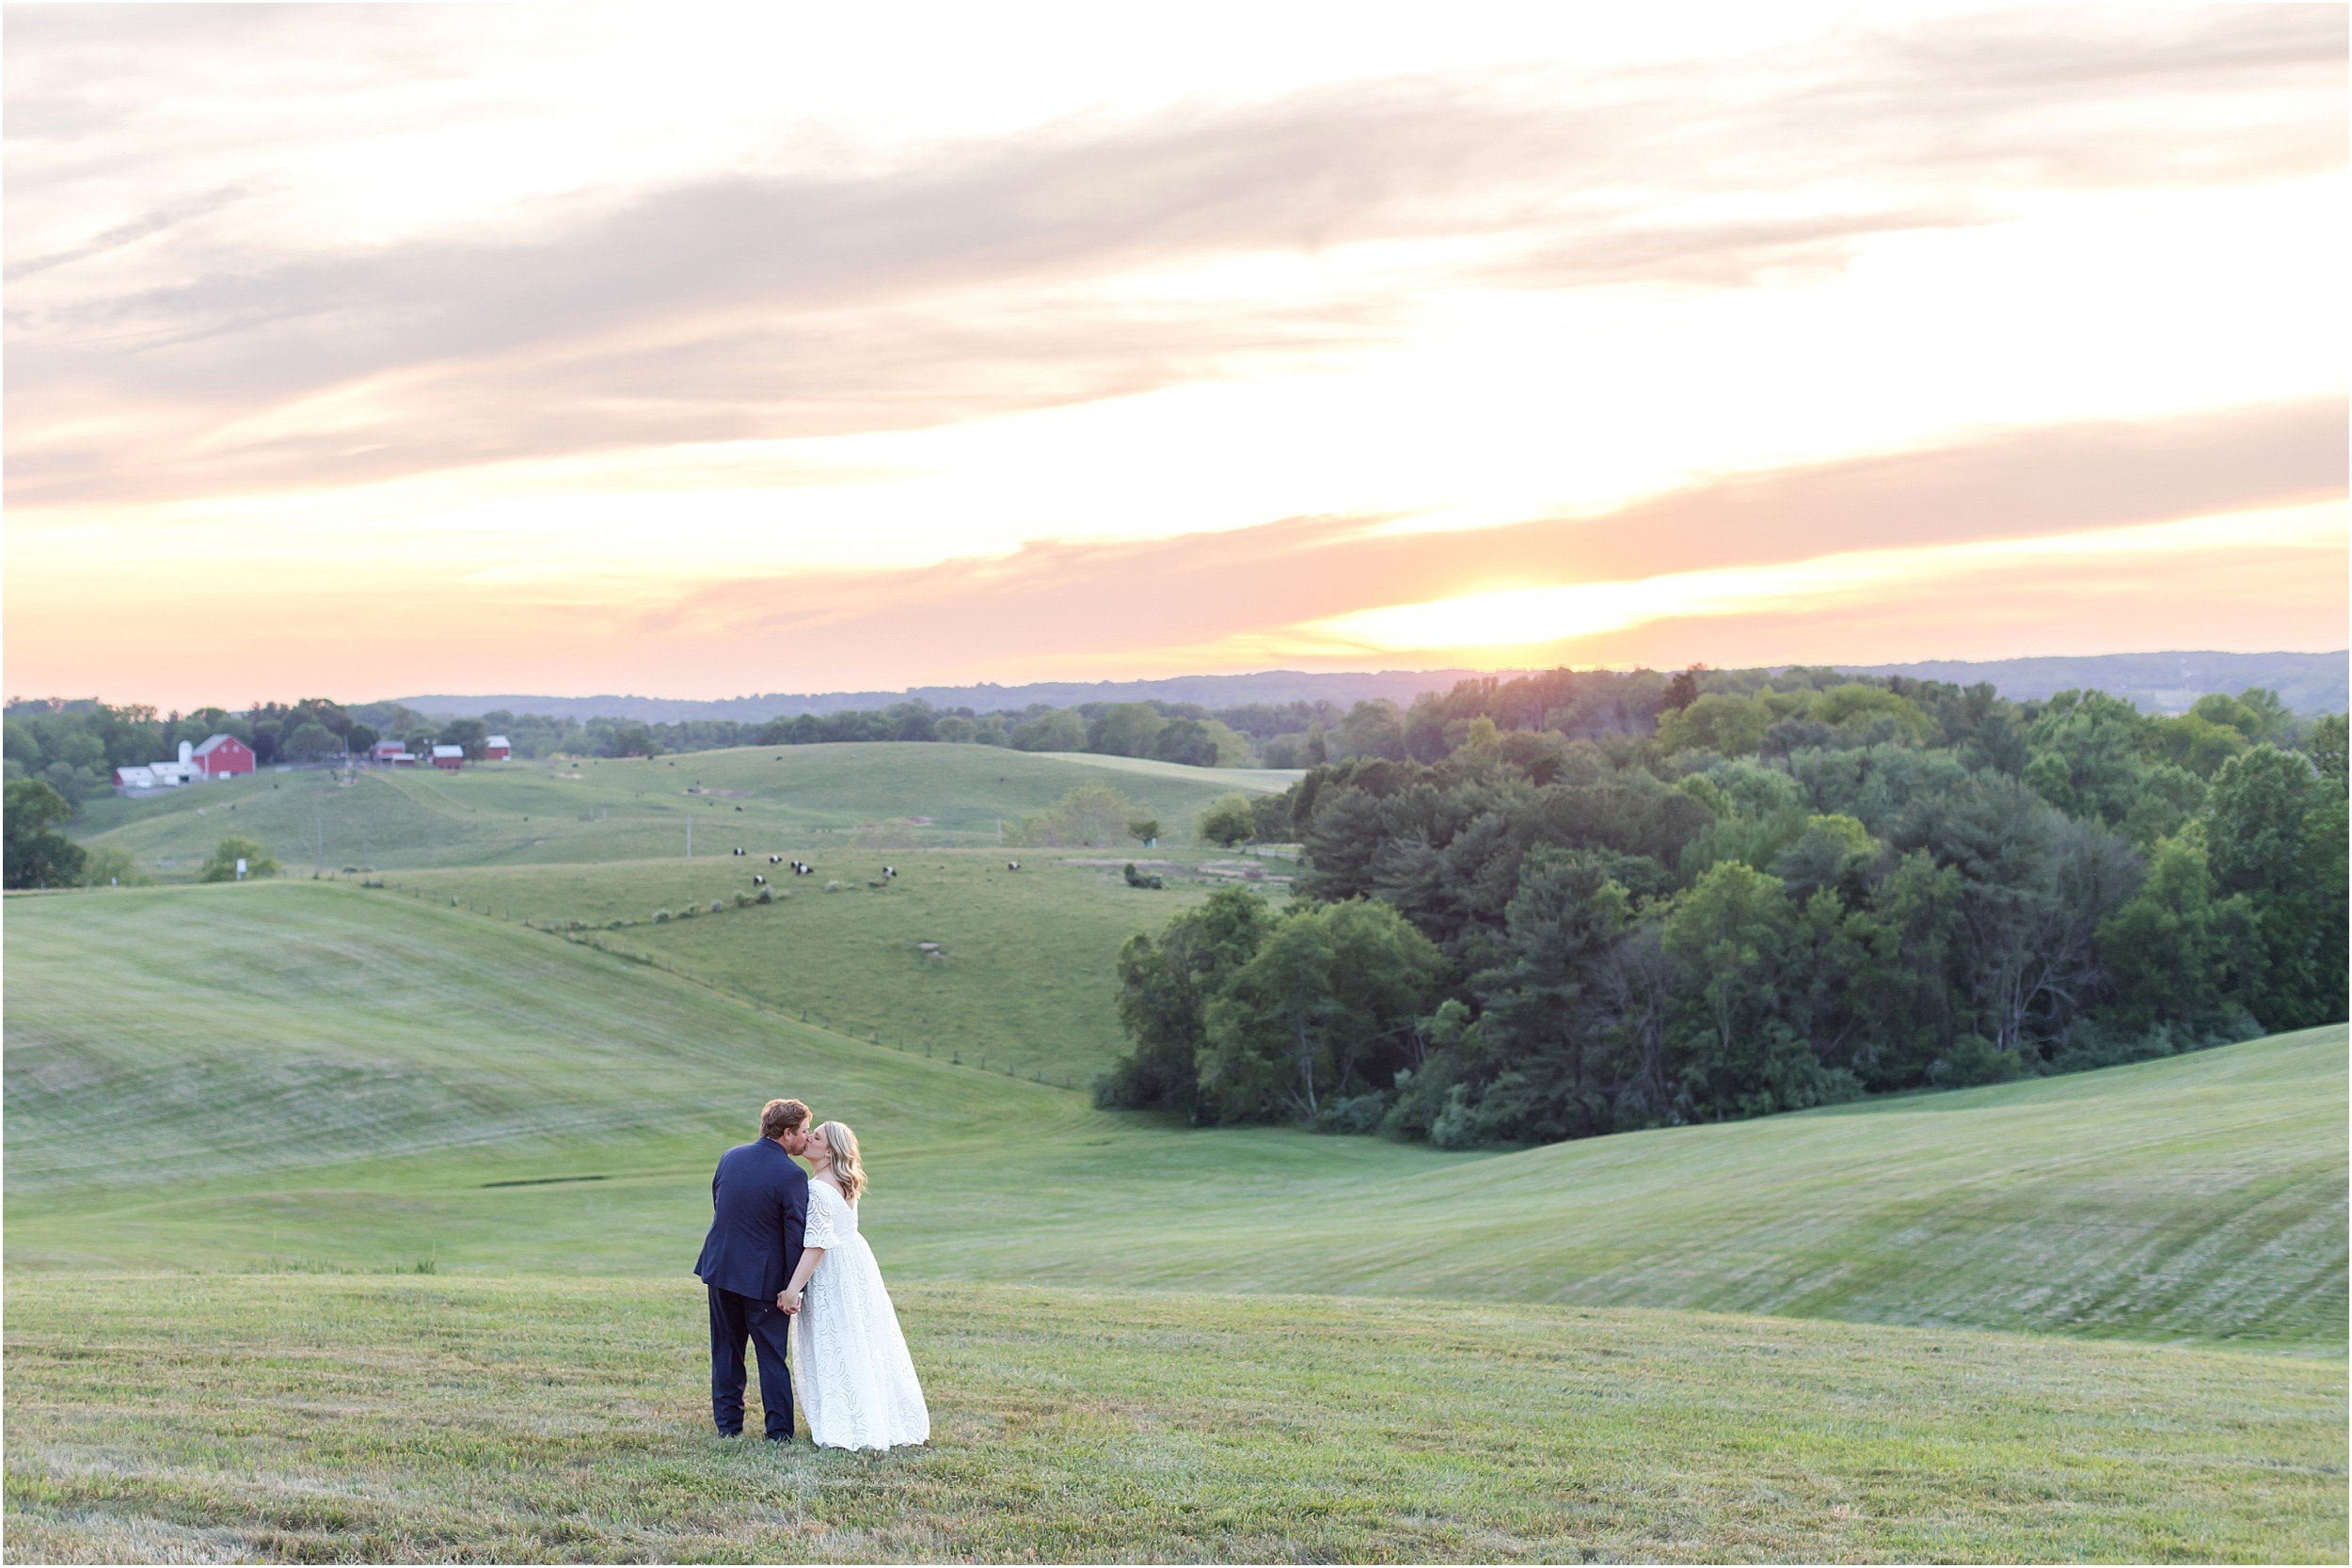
{"points": [[496, 749], [450, 757], [223, 756]]}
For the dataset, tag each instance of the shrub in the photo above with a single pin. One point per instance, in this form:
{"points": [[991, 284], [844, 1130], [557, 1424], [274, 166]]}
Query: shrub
{"points": [[1093, 816], [1360, 1113], [1973, 1059], [113, 866], [222, 867], [1228, 820]]}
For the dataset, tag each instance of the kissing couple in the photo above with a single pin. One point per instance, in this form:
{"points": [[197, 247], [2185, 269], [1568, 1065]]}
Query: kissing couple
{"points": [[786, 1270]]}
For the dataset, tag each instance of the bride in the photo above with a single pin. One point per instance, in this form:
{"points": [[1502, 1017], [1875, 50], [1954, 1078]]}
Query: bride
{"points": [[859, 1388]]}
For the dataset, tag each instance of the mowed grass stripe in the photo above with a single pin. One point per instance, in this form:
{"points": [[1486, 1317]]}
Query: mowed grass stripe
{"points": [[557, 1419], [305, 1073], [167, 1035]]}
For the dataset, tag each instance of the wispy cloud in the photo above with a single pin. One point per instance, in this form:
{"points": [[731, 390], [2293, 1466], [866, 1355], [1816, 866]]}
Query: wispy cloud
{"points": [[1298, 585], [585, 336], [976, 279]]}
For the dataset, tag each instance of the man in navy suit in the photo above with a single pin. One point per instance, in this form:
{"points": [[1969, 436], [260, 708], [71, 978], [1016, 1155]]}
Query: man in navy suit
{"points": [[759, 1207]]}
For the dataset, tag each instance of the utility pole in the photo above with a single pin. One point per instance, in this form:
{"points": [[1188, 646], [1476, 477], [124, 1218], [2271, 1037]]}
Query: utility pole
{"points": [[320, 823], [689, 836]]}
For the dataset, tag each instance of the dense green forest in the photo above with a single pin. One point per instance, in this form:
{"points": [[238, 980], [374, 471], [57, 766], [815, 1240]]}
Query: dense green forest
{"points": [[1574, 903], [73, 745]]}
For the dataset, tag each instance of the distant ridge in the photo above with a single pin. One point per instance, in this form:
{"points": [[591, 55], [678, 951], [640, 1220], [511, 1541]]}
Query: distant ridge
{"points": [[2157, 682], [1271, 686]]}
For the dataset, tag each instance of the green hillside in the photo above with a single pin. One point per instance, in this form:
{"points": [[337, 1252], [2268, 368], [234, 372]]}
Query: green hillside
{"points": [[1249, 781], [346, 1224], [330, 1077], [536, 813], [956, 955]]}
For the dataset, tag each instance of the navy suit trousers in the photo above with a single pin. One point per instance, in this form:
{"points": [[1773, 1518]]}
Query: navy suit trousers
{"points": [[733, 1319]]}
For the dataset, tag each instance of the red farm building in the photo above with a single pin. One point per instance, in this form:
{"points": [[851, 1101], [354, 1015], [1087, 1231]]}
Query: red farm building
{"points": [[496, 749], [223, 756], [450, 757]]}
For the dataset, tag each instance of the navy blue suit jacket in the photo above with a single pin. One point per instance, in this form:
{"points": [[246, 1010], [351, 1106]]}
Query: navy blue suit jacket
{"points": [[758, 1208]]}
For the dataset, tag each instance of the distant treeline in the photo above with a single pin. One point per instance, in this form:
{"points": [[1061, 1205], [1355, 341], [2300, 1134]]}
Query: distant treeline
{"points": [[75, 746], [1569, 904]]}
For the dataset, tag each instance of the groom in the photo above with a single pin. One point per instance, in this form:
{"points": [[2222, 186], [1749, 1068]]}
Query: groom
{"points": [[759, 1205]]}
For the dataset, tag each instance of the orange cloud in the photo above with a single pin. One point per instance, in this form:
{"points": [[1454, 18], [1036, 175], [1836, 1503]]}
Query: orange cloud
{"points": [[2084, 539]]}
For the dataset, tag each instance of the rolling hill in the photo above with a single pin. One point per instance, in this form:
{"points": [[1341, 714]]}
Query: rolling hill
{"points": [[326, 1075], [864, 796], [956, 955], [2311, 683], [350, 1226]]}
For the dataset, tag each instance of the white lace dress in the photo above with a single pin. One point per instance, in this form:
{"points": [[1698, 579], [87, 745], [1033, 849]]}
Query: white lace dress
{"points": [[849, 1362]]}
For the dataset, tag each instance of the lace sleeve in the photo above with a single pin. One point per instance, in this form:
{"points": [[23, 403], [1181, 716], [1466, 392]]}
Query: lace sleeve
{"points": [[820, 1231]]}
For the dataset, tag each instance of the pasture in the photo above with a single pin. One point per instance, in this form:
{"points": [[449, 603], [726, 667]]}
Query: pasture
{"points": [[956, 955], [373, 1076], [846, 796], [351, 1224]]}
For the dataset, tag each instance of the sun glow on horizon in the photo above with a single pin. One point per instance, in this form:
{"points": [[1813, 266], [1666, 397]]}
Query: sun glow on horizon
{"points": [[1546, 615], [515, 348]]}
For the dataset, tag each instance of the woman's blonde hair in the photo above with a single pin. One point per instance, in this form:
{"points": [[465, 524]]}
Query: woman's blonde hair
{"points": [[846, 1170]]}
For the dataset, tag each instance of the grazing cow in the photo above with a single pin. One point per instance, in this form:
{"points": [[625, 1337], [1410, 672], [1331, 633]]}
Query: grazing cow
{"points": [[758, 880], [1012, 865], [890, 871], [775, 859]]}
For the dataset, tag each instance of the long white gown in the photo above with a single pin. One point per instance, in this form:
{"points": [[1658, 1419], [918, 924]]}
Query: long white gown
{"points": [[849, 1362]]}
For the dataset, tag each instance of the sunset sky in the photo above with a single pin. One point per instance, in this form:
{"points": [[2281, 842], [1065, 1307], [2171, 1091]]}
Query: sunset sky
{"points": [[378, 350]]}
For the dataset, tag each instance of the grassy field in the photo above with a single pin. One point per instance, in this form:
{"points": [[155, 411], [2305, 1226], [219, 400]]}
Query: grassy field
{"points": [[956, 955], [1249, 781], [322, 1076], [841, 798], [349, 1225], [341, 1418]]}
